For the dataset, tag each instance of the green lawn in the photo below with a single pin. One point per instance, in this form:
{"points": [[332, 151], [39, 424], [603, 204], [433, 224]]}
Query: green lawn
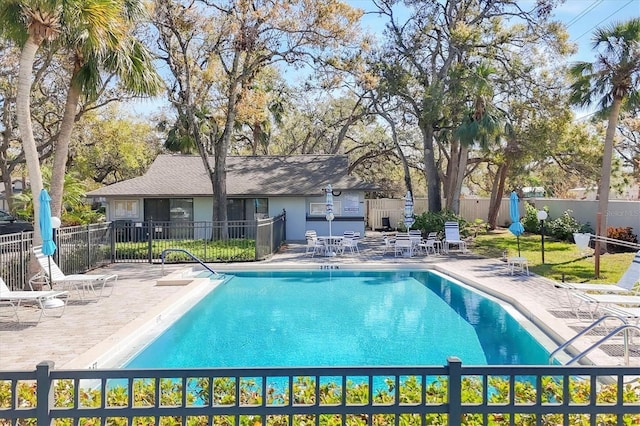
{"points": [[559, 257]]}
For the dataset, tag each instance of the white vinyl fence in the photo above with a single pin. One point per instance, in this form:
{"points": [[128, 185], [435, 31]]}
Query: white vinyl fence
{"points": [[621, 213]]}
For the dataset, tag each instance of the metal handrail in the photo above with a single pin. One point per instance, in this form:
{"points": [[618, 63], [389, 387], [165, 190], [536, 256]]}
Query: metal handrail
{"points": [[615, 331], [188, 253], [582, 333]]}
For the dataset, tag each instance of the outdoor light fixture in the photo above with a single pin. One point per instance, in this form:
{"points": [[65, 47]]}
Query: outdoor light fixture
{"points": [[542, 216], [55, 225], [55, 222]]}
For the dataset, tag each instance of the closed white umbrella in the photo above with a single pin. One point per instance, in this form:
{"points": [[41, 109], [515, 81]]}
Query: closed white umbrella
{"points": [[408, 210], [329, 206]]}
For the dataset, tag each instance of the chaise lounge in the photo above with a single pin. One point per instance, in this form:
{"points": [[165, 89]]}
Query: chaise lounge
{"points": [[45, 300], [82, 283]]}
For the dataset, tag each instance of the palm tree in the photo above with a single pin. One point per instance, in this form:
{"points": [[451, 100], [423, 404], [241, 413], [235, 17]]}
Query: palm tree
{"points": [[30, 23], [480, 124], [614, 78], [100, 38]]}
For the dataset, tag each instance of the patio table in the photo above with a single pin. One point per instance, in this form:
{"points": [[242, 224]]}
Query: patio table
{"points": [[332, 243]]}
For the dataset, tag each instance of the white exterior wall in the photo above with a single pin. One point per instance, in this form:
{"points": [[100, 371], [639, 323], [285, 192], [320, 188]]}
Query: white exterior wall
{"points": [[347, 204], [298, 209], [295, 208]]}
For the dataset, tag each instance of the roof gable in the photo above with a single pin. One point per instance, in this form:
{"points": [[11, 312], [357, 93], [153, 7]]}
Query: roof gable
{"points": [[185, 175]]}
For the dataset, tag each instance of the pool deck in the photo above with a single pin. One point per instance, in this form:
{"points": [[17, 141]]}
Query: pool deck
{"points": [[91, 334]]}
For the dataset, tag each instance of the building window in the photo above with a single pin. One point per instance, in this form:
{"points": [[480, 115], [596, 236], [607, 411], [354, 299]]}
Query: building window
{"points": [[320, 209], [181, 209], [261, 210], [126, 209]]}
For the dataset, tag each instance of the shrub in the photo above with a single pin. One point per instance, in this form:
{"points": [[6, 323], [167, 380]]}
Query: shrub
{"points": [[530, 220], [561, 228], [622, 234], [434, 222], [564, 227]]}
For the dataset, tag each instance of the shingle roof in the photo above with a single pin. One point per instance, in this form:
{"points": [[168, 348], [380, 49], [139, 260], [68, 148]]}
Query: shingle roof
{"points": [[297, 175]]}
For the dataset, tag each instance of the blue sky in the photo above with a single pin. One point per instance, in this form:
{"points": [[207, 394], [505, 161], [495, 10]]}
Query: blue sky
{"points": [[582, 17]]}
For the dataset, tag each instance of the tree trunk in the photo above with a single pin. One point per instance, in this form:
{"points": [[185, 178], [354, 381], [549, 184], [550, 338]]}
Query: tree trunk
{"points": [[605, 175], [451, 173], [62, 147], [222, 147], [431, 169], [458, 178], [23, 112], [496, 195], [6, 143]]}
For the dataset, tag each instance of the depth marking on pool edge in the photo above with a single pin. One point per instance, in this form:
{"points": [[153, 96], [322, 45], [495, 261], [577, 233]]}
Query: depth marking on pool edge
{"points": [[329, 267]]}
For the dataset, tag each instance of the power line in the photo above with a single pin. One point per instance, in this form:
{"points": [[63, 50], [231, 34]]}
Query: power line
{"points": [[590, 29], [584, 12]]}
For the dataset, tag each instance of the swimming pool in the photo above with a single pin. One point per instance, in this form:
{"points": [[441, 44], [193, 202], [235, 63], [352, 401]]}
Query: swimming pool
{"points": [[342, 318]]}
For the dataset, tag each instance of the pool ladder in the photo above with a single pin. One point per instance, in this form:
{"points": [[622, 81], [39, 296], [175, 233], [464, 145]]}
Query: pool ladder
{"points": [[191, 255], [625, 327]]}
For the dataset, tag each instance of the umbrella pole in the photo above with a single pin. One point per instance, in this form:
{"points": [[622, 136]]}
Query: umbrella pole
{"points": [[50, 280], [518, 239]]}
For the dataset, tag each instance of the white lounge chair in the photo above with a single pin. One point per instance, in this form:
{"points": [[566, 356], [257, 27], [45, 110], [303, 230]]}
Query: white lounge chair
{"points": [[626, 284], [584, 292], [624, 312], [82, 283], [45, 300], [452, 237], [599, 300]]}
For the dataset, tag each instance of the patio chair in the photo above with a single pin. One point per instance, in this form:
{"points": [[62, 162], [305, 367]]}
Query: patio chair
{"points": [[415, 235], [45, 300], [314, 245], [351, 243], [452, 237], [432, 244], [388, 245], [311, 242], [403, 245], [82, 283]]}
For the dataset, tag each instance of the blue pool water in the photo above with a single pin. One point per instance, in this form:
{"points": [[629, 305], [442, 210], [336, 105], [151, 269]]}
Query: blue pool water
{"points": [[341, 318]]}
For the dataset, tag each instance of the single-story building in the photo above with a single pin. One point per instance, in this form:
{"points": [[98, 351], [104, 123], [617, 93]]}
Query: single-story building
{"points": [[176, 188]]}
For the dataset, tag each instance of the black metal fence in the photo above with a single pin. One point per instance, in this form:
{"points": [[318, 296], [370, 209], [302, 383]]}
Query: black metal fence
{"points": [[83, 248], [231, 241], [385, 396]]}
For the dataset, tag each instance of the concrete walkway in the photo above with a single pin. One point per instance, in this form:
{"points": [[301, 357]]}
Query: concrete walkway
{"points": [[91, 334]]}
